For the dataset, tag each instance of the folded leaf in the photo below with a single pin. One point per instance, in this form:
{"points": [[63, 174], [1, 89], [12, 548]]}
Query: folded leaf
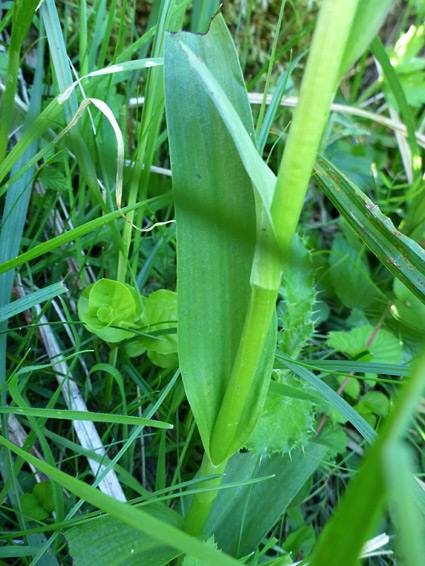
{"points": [[216, 222]]}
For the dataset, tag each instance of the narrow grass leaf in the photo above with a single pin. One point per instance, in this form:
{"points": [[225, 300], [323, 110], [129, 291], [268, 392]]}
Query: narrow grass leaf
{"points": [[23, 13], [17, 551], [29, 301], [84, 416], [330, 395], [382, 57], [71, 235], [275, 103], [38, 127], [345, 367], [344, 536], [399, 253], [136, 518]]}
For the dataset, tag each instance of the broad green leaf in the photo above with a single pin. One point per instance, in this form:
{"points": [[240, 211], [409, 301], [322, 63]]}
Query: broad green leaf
{"points": [[400, 254], [159, 314], [216, 224], [373, 402], [366, 23], [247, 513], [44, 494], [350, 274], [385, 348], [407, 308], [31, 507], [334, 437], [40, 503], [301, 540], [105, 541]]}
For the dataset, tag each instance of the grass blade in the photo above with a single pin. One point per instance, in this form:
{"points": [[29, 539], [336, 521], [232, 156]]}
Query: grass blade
{"points": [[31, 300], [23, 13], [71, 235], [136, 518], [400, 254], [84, 416], [330, 395], [352, 523]]}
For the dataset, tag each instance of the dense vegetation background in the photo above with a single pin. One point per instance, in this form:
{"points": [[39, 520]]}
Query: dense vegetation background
{"points": [[340, 312]]}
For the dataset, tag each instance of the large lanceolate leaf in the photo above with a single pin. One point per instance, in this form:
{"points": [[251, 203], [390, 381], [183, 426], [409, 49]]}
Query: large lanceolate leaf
{"points": [[106, 541], [216, 225], [242, 516], [400, 254]]}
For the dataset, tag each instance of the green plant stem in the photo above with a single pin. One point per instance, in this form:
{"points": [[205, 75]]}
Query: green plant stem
{"points": [[317, 92], [83, 38], [269, 72], [202, 502], [109, 384], [8, 100]]}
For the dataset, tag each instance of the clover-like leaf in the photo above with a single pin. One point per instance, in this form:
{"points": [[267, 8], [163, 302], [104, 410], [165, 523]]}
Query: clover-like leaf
{"points": [[160, 317], [43, 493], [109, 308], [371, 404], [32, 508]]}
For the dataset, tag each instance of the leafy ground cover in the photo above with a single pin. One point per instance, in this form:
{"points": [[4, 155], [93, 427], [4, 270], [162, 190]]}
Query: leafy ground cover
{"points": [[210, 348]]}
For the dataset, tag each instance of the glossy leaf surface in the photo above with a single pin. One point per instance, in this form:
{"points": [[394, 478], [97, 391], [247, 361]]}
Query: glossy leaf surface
{"points": [[216, 226]]}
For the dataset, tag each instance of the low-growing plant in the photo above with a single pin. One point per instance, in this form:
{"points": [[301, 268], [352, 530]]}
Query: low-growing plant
{"points": [[246, 302]]}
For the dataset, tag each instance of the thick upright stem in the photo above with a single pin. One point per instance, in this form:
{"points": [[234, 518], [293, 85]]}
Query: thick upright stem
{"points": [[317, 92], [202, 502]]}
